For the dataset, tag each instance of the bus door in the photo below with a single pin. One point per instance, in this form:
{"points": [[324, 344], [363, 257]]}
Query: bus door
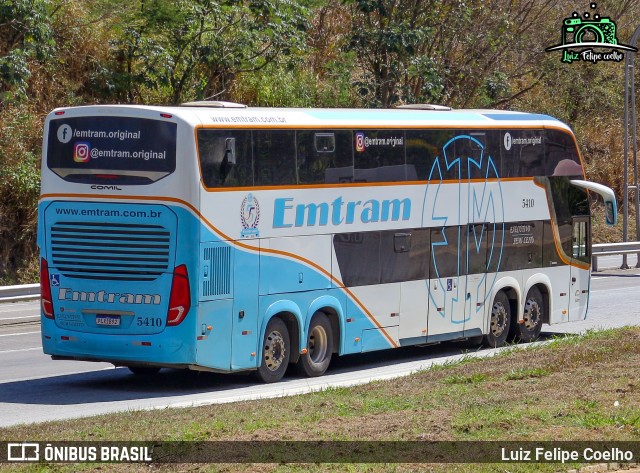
{"points": [[414, 288], [478, 236], [580, 272], [447, 284]]}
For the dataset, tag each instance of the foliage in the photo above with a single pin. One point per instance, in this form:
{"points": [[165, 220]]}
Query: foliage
{"points": [[19, 191], [25, 35], [192, 50]]}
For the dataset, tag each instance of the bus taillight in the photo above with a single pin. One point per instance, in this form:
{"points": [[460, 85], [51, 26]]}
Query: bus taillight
{"points": [[180, 300], [45, 289]]}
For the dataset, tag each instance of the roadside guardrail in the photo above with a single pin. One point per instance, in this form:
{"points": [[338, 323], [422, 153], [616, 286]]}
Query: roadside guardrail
{"points": [[608, 249], [21, 292]]}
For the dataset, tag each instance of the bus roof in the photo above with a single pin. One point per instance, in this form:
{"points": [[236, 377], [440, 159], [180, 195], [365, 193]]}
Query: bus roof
{"points": [[333, 117]]}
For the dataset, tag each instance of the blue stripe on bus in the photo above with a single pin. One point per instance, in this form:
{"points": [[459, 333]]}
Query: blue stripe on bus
{"points": [[518, 116], [392, 115]]}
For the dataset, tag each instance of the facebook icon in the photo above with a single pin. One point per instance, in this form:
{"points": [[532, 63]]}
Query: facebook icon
{"points": [[64, 133]]}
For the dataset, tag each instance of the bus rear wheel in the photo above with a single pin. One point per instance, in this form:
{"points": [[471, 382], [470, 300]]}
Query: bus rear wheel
{"points": [[500, 321], [319, 345], [531, 325], [276, 351]]}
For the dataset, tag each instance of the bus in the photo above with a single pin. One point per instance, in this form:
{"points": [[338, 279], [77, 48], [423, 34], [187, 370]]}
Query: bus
{"points": [[218, 237]]}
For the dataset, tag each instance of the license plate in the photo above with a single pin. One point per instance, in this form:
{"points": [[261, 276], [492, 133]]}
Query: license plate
{"points": [[108, 320]]}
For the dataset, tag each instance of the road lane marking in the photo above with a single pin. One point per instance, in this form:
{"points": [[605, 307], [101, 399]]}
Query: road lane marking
{"points": [[46, 376], [616, 289], [19, 309], [20, 349], [15, 334]]}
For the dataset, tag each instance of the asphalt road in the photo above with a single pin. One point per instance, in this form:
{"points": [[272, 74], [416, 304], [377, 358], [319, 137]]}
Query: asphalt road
{"points": [[33, 388]]}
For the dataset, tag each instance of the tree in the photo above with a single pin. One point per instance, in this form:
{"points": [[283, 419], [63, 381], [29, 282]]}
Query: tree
{"points": [[185, 50], [461, 53], [25, 35], [387, 37]]}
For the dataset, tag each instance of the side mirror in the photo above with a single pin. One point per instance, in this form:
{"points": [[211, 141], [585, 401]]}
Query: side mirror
{"points": [[611, 214], [610, 204]]}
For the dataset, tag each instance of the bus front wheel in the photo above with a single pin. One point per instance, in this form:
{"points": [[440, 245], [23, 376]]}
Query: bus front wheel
{"points": [[276, 350], [319, 347], [500, 321], [531, 325]]}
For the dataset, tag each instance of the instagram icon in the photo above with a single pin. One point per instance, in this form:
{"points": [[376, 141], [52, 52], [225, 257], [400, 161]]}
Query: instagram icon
{"points": [[81, 152], [360, 142]]}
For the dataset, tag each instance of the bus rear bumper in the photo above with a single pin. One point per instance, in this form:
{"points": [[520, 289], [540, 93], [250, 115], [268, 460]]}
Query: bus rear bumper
{"points": [[123, 350]]}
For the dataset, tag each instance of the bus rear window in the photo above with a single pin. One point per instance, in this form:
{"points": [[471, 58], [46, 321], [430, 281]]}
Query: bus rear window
{"points": [[113, 150]]}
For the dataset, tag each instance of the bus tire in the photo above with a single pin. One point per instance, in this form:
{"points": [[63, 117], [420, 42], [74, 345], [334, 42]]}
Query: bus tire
{"points": [[319, 345], [500, 321], [532, 317], [144, 370], [276, 351]]}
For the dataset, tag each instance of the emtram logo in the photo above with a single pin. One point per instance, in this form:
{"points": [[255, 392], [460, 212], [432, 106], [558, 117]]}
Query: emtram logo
{"points": [[583, 36], [250, 217]]}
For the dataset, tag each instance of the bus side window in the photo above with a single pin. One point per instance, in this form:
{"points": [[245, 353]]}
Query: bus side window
{"points": [[423, 147], [581, 247], [225, 158], [494, 152], [274, 157], [324, 156], [379, 157], [358, 256], [561, 154]]}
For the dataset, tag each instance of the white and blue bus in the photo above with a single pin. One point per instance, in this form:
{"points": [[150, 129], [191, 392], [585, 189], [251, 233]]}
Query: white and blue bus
{"points": [[213, 236]]}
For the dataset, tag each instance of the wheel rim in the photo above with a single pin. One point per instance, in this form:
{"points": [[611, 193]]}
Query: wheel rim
{"points": [[274, 351], [317, 344], [499, 319], [532, 313]]}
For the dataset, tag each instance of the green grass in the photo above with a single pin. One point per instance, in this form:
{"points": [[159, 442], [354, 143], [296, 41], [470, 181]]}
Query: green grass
{"points": [[524, 373]]}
